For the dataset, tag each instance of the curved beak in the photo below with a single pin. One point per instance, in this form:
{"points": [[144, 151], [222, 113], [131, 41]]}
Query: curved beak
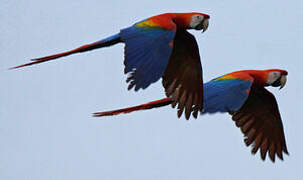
{"points": [[205, 23], [283, 81]]}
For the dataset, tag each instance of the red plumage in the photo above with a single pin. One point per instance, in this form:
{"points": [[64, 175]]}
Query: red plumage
{"points": [[157, 47], [258, 117]]}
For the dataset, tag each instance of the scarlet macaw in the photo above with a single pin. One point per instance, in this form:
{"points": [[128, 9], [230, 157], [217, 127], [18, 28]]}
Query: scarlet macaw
{"points": [[157, 47], [253, 108]]}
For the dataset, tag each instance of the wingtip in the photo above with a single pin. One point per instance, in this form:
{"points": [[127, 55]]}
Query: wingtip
{"points": [[285, 151]]}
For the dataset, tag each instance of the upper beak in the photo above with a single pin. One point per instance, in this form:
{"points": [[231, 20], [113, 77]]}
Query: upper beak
{"points": [[205, 24], [283, 81]]}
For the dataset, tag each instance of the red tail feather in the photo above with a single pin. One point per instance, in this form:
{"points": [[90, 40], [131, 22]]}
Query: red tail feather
{"points": [[150, 105], [99, 44], [47, 58]]}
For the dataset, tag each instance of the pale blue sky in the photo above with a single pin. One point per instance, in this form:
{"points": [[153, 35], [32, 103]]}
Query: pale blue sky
{"points": [[46, 128]]}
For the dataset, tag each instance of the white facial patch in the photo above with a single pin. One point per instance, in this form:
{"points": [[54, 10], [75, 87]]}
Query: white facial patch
{"points": [[195, 20], [273, 76]]}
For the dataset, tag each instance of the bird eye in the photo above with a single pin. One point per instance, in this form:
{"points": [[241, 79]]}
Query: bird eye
{"points": [[276, 74]]}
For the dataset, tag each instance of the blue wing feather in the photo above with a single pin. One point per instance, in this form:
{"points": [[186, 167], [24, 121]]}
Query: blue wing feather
{"points": [[226, 95], [147, 52], [136, 59]]}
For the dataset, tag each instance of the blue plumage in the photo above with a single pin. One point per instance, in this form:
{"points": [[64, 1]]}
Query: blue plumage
{"points": [[108, 39], [225, 95], [147, 52]]}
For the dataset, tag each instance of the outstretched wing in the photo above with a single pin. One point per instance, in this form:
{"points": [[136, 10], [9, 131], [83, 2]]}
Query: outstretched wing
{"points": [[260, 121], [182, 79], [148, 47]]}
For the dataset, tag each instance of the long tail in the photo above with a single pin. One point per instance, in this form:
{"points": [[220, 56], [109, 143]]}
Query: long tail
{"points": [[99, 44], [150, 105]]}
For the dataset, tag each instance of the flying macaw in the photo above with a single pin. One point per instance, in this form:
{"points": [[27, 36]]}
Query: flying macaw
{"points": [[253, 108], [156, 47]]}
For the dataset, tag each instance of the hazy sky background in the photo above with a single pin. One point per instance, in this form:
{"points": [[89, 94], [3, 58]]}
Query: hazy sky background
{"points": [[46, 128]]}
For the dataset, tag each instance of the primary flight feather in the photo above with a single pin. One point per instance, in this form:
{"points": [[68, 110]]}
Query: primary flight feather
{"points": [[242, 94], [156, 47]]}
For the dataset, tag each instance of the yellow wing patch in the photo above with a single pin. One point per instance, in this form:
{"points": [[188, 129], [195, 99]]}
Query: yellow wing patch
{"points": [[148, 24], [226, 77]]}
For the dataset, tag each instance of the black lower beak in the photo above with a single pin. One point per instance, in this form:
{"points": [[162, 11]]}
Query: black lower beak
{"points": [[199, 26], [277, 83]]}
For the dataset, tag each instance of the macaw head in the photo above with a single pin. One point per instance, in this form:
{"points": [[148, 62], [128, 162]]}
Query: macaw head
{"points": [[199, 21], [276, 78]]}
